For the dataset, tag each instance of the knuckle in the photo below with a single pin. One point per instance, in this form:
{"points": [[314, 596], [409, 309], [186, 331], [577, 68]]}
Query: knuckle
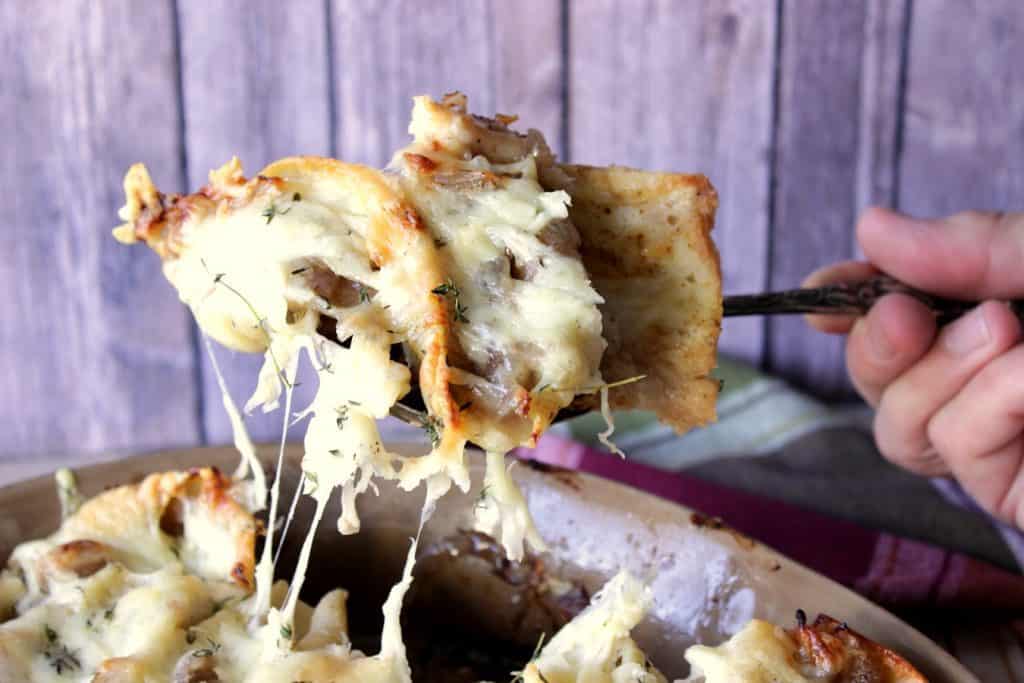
{"points": [[903, 443], [944, 435], [887, 437]]}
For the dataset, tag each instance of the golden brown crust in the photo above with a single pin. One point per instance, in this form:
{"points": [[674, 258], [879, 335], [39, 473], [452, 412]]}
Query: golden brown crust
{"points": [[156, 218], [647, 245], [832, 651], [113, 524], [397, 238]]}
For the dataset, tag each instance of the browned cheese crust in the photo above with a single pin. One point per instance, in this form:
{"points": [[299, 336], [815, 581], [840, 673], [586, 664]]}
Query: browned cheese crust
{"points": [[645, 240], [831, 651]]}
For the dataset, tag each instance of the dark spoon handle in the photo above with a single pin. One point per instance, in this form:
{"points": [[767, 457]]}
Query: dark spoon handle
{"points": [[849, 299]]}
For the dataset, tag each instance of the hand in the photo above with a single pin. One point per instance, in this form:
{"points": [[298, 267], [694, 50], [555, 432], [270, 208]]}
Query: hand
{"points": [[949, 401]]}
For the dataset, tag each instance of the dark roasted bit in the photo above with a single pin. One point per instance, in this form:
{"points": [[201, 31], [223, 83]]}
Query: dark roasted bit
{"points": [[196, 666], [81, 558], [829, 650]]}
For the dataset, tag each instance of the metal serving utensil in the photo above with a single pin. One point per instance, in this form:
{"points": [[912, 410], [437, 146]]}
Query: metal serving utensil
{"points": [[849, 299], [835, 299]]}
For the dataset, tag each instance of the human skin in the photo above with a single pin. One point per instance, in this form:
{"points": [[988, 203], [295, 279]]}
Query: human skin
{"points": [[949, 401]]}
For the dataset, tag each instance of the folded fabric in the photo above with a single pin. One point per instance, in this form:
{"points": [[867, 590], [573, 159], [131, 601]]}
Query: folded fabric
{"points": [[769, 437], [895, 571]]}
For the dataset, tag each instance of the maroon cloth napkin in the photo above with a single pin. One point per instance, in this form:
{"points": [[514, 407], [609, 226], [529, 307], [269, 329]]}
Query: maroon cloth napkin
{"points": [[898, 572]]}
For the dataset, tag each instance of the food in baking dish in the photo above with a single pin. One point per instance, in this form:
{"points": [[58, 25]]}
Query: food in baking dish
{"points": [[154, 582]]}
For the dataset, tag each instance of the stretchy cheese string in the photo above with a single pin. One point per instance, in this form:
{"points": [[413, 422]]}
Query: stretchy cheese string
{"points": [[240, 436], [267, 557]]}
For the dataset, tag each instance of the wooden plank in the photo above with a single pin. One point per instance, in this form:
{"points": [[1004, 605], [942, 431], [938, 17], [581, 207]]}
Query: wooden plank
{"points": [[255, 83], [504, 57], [96, 349], [963, 147], [529, 71], [882, 74], [835, 137], [438, 47], [684, 87]]}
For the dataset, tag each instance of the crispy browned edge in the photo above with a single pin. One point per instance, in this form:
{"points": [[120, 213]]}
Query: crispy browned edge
{"points": [[677, 354], [833, 647]]}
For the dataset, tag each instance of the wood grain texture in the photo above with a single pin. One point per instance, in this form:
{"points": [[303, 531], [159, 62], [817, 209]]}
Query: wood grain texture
{"points": [[881, 101], [95, 349], [818, 136], [255, 84], [684, 87], [964, 128], [504, 57], [435, 48], [529, 67]]}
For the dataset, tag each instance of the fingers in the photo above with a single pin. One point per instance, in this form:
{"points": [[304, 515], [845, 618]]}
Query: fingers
{"points": [[886, 342], [980, 431], [908, 403], [970, 255], [847, 271]]}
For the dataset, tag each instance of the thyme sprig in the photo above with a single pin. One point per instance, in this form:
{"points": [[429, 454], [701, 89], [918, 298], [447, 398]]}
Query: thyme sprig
{"points": [[58, 655], [591, 390], [273, 210], [210, 651], [481, 500], [448, 289], [261, 322], [67, 492], [432, 426]]}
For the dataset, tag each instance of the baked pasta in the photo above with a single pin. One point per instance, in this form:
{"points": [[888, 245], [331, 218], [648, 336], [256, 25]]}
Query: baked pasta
{"points": [[153, 582]]}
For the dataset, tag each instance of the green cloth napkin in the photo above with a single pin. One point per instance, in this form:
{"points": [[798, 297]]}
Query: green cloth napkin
{"points": [[757, 414]]}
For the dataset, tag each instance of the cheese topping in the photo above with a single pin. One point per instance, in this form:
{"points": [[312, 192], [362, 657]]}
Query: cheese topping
{"points": [[456, 255], [153, 583], [760, 653]]}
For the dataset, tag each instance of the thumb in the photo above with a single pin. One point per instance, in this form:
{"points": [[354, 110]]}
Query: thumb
{"points": [[969, 255]]}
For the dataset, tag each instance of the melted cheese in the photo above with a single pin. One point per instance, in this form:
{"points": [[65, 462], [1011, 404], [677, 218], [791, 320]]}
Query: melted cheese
{"points": [[501, 511], [596, 647], [178, 612], [531, 331], [458, 254], [760, 653]]}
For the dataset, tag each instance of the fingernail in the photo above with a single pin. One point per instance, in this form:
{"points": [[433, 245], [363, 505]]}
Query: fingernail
{"points": [[967, 334], [881, 348]]}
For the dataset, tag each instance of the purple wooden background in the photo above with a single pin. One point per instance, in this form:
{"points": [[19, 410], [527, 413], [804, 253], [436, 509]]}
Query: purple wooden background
{"points": [[802, 112]]}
